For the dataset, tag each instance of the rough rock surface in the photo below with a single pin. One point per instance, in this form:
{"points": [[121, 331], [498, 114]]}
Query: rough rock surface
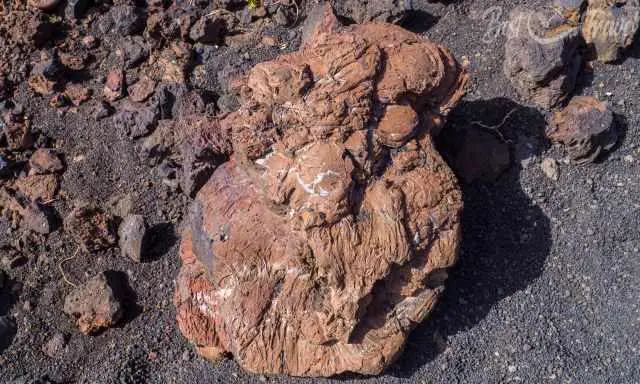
{"points": [[362, 11], [610, 27], [585, 127], [325, 239], [93, 305], [541, 55], [91, 228], [131, 237]]}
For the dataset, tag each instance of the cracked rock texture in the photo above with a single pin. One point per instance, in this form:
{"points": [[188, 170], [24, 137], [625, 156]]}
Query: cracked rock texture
{"points": [[326, 237], [541, 55], [585, 126]]}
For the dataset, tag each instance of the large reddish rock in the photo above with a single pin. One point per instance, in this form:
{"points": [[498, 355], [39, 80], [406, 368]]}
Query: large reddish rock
{"points": [[326, 238], [610, 27]]}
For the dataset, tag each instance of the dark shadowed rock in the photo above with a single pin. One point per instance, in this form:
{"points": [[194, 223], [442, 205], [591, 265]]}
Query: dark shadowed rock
{"points": [[123, 20], [75, 9], [93, 305], [541, 57], [131, 237], [585, 127], [325, 239], [208, 30]]}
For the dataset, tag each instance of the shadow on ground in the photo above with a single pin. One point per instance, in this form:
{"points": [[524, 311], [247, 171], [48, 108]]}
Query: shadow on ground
{"points": [[505, 238]]}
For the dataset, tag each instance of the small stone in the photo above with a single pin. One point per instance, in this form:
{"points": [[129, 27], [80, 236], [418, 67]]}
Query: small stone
{"points": [[585, 127], [270, 41], [38, 187], [77, 93], [136, 120], [114, 85], [207, 30], [103, 110], [550, 168], [142, 90], [91, 228], [131, 237], [132, 51], [511, 368], [90, 41], [94, 305], [27, 306], [55, 346], [629, 158], [45, 160], [38, 218]]}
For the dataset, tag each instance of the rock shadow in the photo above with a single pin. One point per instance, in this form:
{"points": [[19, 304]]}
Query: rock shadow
{"points": [[158, 240], [505, 237]]}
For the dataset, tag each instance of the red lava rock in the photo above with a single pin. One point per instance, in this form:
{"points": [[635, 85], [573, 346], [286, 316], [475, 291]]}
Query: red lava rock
{"points": [[610, 27], [142, 90], [170, 64], [43, 187], [325, 239], [585, 127], [94, 305], [114, 86], [91, 228], [45, 160], [541, 57]]}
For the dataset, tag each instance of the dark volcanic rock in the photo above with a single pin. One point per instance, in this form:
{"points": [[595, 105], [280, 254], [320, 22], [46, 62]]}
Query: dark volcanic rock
{"points": [[75, 9], [208, 30], [541, 57], [94, 305], [131, 237], [132, 51], [610, 27], [585, 127], [136, 120], [123, 20], [325, 239], [361, 11], [55, 346]]}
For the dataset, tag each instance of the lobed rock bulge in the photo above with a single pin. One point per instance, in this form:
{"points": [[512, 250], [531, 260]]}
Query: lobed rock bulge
{"points": [[325, 239]]}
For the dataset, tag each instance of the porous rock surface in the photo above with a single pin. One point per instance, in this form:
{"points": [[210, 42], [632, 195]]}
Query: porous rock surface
{"points": [[325, 239], [585, 126], [541, 55]]}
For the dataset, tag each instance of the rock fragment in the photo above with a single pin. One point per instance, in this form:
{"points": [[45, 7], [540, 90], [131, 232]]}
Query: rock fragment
{"points": [[91, 228], [114, 85], [93, 305], [45, 74], [132, 51], [55, 346], [142, 90], [44, 5], [585, 127], [550, 168], [362, 11], [15, 129], [38, 187], [136, 120], [610, 27], [208, 30], [45, 160], [339, 232], [131, 237], [541, 56]]}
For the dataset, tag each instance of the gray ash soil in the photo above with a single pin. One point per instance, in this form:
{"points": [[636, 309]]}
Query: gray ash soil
{"points": [[546, 290]]}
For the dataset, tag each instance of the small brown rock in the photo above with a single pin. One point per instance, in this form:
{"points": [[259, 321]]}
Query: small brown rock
{"points": [[44, 161], [77, 93], [91, 228], [94, 305], [43, 187], [585, 127], [142, 90], [114, 86]]}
